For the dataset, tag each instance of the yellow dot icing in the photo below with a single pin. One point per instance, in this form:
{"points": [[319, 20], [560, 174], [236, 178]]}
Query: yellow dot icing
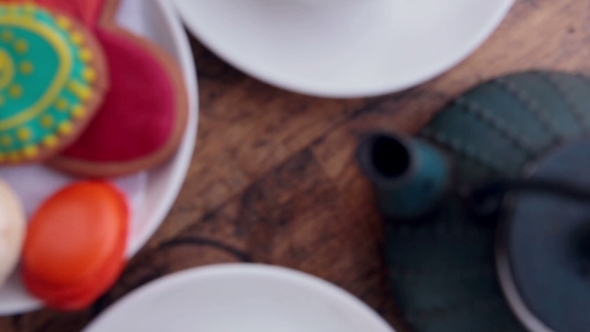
{"points": [[63, 22], [50, 141], [86, 55], [78, 112], [89, 74], [65, 128], [21, 46], [24, 134], [15, 91], [61, 105], [77, 38], [26, 67], [47, 121], [31, 151]]}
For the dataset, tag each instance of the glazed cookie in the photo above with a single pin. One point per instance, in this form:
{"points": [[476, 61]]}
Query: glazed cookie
{"points": [[52, 80], [143, 117]]}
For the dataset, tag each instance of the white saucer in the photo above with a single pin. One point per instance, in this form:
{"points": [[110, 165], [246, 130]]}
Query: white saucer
{"points": [[343, 48], [239, 297]]}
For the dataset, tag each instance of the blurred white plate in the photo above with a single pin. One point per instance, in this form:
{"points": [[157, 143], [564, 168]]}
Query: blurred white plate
{"points": [[151, 193], [343, 48], [239, 297]]}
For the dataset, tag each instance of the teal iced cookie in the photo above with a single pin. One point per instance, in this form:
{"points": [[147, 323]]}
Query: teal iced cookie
{"points": [[52, 80]]}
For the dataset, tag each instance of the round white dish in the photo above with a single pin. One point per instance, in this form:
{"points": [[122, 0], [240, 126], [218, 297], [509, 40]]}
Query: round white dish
{"points": [[151, 193], [343, 48], [239, 297]]}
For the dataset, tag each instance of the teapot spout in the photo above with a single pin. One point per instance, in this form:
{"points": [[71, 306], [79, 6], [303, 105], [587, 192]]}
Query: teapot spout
{"points": [[409, 175]]}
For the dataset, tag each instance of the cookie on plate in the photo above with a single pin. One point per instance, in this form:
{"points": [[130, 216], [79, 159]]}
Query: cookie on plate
{"points": [[12, 230], [74, 249], [52, 80], [143, 117]]}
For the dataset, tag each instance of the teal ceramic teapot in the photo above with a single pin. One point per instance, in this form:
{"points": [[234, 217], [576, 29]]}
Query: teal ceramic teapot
{"points": [[488, 209]]}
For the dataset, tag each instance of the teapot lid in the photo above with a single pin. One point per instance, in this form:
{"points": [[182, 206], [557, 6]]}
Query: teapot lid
{"points": [[543, 252]]}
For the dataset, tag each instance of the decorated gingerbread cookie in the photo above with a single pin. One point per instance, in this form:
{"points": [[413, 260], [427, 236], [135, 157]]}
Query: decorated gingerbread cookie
{"points": [[143, 117], [52, 80]]}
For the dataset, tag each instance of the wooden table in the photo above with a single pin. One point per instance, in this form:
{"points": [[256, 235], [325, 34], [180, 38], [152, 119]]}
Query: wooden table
{"points": [[273, 179]]}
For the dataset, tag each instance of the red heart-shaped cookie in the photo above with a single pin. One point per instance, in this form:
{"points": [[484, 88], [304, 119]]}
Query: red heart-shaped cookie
{"points": [[143, 115]]}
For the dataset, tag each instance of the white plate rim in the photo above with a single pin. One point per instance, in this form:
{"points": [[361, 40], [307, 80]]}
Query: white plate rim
{"points": [[319, 90], [182, 160], [330, 291]]}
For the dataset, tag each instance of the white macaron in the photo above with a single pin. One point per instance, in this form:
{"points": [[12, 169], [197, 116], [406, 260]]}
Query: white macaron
{"points": [[12, 230]]}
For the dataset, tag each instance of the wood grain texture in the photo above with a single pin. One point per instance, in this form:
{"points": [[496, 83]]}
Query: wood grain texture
{"points": [[273, 179]]}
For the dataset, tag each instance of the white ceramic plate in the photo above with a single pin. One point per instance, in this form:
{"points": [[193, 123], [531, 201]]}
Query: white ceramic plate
{"points": [[239, 297], [343, 48], [151, 193]]}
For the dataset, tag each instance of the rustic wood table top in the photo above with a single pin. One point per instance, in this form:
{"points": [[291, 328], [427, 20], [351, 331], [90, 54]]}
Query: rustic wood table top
{"points": [[273, 178]]}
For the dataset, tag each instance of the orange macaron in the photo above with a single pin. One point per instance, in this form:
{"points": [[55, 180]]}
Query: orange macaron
{"points": [[74, 250]]}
